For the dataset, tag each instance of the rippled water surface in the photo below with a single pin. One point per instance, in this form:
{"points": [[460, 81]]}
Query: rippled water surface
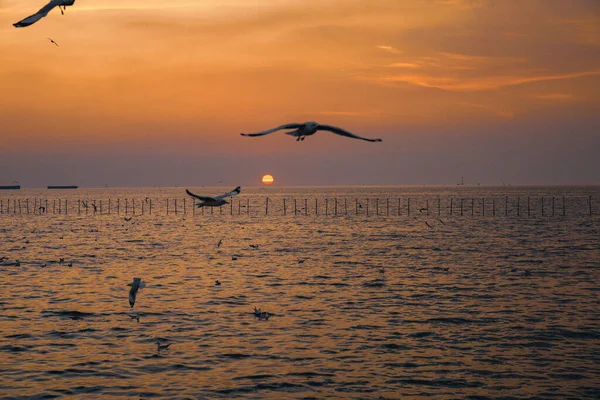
{"points": [[361, 306]]}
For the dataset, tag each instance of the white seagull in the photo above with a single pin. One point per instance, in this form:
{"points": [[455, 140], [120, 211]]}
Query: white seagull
{"points": [[43, 12], [135, 286], [300, 131], [214, 201]]}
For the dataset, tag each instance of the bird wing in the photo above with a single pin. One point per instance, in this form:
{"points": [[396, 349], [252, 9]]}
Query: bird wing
{"points": [[234, 192], [202, 198], [286, 126], [38, 15], [339, 131]]}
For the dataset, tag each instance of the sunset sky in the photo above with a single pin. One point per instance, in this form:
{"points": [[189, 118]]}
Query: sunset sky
{"points": [[148, 93]]}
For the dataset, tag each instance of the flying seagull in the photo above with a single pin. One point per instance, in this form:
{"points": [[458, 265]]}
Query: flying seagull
{"points": [[52, 41], [43, 12], [300, 131], [214, 201], [135, 286]]}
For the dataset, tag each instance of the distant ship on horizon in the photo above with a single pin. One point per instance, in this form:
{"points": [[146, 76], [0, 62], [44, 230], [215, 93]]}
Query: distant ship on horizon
{"points": [[10, 187], [63, 187]]}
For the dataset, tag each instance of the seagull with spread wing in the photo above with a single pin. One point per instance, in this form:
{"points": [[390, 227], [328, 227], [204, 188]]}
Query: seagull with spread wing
{"points": [[136, 285], [62, 4], [300, 131], [215, 201]]}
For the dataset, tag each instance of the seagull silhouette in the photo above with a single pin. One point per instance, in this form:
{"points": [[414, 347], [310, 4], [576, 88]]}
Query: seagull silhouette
{"points": [[160, 347], [62, 4], [52, 41], [135, 286], [300, 131], [215, 201]]}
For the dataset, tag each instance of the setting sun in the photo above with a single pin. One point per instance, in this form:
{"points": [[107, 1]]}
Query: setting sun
{"points": [[267, 179]]}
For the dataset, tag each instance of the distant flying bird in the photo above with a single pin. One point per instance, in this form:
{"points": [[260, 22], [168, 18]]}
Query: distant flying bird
{"points": [[135, 286], [52, 41], [214, 201], [128, 219], [43, 12], [309, 128], [220, 243]]}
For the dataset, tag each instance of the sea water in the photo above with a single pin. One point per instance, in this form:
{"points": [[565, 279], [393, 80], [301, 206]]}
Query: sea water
{"points": [[477, 305]]}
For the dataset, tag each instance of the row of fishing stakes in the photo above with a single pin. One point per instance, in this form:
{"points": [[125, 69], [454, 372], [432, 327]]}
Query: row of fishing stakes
{"points": [[366, 206], [61, 206]]}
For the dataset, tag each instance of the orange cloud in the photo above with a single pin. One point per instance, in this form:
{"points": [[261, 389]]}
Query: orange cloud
{"points": [[480, 83]]}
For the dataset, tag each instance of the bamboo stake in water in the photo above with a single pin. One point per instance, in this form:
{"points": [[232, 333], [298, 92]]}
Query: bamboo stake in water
{"points": [[564, 209], [284, 208], [542, 206], [267, 206], [305, 206], [326, 206]]}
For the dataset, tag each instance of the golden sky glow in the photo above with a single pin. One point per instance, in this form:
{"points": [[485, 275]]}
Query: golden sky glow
{"points": [[202, 71]]}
